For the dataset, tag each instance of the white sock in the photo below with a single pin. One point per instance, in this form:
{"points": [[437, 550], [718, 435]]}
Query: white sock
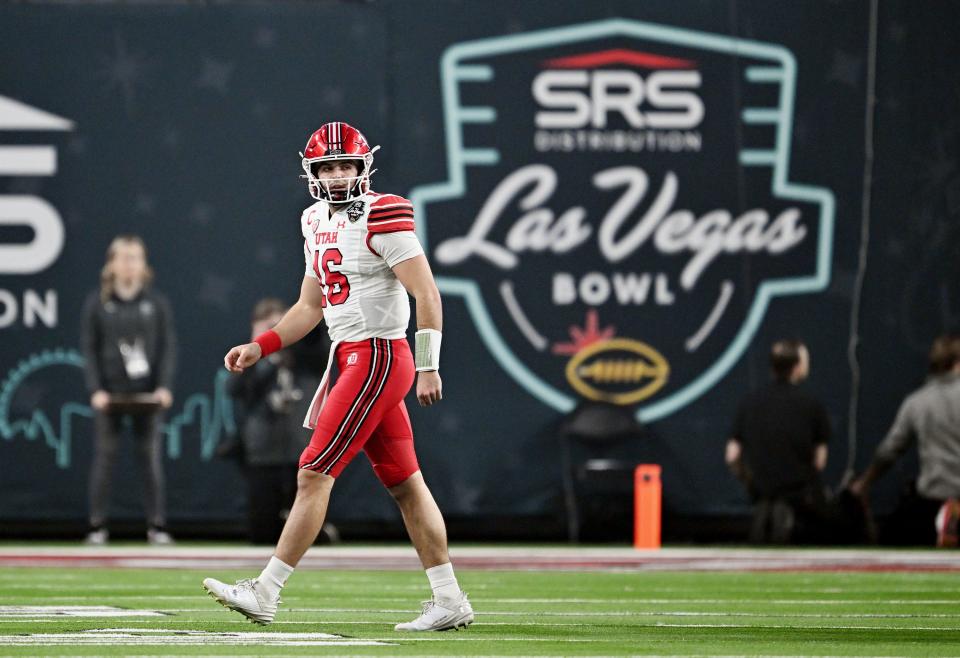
{"points": [[443, 582], [274, 577]]}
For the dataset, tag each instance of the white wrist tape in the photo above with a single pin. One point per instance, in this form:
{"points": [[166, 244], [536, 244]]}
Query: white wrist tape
{"points": [[426, 352]]}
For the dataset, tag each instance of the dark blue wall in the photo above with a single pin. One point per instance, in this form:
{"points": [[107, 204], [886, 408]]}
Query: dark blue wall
{"points": [[184, 126]]}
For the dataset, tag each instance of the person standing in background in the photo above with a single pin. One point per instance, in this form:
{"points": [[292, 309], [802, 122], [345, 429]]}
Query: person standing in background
{"points": [[930, 416], [272, 397], [129, 344], [778, 448]]}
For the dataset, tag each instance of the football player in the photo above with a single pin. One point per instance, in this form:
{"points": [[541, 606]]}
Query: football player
{"points": [[362, 259]]}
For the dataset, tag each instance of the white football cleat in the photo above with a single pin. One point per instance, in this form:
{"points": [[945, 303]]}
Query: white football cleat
{"points": [[441, 615], [158, 537], [244, 598], [98, 537]]}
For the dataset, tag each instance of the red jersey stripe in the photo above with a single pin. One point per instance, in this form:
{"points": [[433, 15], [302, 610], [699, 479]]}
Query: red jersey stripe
{"points": [[389, 215], [393, 211]]}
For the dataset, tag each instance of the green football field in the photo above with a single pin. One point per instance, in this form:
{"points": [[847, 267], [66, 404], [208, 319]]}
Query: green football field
{"points": [[104, 611]]}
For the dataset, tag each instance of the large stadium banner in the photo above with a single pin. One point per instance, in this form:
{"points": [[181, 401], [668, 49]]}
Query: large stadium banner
{"points": [[607, 183], [622, 202]]}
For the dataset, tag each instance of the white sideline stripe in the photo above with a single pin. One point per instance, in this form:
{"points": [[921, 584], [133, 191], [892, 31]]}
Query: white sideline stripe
{"points": [[732, 599], [821, 628], [142, 637], [155, 637], [330, 591], [531, 553], [527, 613], [633, 601], [125, 640], [617, 615], [118, 596], [177, 637], [31, 611], [613, 561]]}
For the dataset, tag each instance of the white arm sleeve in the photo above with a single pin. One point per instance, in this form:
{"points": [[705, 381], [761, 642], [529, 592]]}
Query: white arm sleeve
{"points": [[396, 247]]}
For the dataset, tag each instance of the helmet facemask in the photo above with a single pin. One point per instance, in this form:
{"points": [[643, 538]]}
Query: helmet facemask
{"points": [[356, 186]]}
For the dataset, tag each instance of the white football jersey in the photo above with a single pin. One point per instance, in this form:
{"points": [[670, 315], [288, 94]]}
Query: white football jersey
{"points": [[362, 296]]}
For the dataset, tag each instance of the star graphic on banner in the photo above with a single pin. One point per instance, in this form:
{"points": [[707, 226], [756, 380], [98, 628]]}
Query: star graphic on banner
{"points": [[845, 69], [421, 128], [145, 204], [123, 70], [896, 32], [894, 248], [801, 131], [450, 423], [171, 138], [923, 220], [215, 75], [515, 26], [332, 96], [266, 254], [937, 167], [265, 37], [470, 495], [260, 109], [953, 196], [842, 282], [201, 213], [359, 30], [216, 290], [30, 395], [73, 217], [25, 185], [77, 145]]}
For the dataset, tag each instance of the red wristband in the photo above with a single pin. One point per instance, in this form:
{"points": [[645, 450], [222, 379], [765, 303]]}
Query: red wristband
{"points": [[269, 342]]}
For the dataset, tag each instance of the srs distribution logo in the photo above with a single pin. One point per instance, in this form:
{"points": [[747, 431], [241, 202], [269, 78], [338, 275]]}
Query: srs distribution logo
{"points": [[618, 211]]}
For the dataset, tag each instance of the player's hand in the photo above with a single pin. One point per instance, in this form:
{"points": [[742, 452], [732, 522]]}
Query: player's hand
{"points": [[429, 387], [100, 400], [164, 397], [242, 356]]}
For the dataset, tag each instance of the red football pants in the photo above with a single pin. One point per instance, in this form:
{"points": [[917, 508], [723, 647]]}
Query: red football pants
{"points": [[365, 410]]}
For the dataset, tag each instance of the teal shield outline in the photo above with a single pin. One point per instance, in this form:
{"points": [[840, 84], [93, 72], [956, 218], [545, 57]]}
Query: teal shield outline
{"points": [[778, 68]]}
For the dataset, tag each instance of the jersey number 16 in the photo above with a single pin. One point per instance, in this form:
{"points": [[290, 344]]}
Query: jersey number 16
{"points": [[335, 284]]}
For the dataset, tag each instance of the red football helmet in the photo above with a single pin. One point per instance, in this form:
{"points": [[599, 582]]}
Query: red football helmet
{"points": [[338, 141]]}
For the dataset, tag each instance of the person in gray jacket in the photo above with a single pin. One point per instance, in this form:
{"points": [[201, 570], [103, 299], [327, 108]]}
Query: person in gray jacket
{"points": [[129, 345], [931, 417]]}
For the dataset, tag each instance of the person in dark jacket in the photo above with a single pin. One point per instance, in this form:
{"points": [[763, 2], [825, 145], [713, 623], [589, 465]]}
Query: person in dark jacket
{"points": [[273, 397], [778, 448], [129, 343]]}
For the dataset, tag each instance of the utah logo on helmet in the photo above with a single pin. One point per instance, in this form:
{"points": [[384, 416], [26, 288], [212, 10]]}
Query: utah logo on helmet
{"points": [[338, 141]]}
